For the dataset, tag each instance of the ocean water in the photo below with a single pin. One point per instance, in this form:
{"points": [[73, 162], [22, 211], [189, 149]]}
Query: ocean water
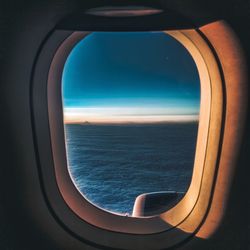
{"points": [[112, 164]]}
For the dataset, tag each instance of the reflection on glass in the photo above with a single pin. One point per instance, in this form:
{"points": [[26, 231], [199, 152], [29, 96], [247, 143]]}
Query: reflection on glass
{"points": [[131, 105]]}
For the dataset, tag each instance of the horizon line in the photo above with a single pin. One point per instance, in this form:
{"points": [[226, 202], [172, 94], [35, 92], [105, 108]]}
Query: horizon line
{"points": [[130, 119], [86, 123]]}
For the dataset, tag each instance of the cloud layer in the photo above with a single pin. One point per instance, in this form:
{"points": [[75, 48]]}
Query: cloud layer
{"points": [[127, 115]]}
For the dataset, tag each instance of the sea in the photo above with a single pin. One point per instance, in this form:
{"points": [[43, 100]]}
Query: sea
{"points": [[112, 164]]}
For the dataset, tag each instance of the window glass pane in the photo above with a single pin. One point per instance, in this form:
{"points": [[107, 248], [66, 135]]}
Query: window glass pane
{"points": [[131, 109]]}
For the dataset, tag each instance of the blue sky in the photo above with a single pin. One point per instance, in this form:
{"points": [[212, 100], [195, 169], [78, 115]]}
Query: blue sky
{"points": [[129, 76]]}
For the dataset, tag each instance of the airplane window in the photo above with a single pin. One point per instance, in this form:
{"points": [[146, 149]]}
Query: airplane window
{"points": [[131, 111]]}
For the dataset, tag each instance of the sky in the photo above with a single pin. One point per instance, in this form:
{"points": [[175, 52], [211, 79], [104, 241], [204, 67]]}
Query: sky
{"points": [[124, 77]]}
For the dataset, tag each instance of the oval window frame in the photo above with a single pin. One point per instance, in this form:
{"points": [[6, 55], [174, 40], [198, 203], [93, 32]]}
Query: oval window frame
{"points": [[108, 220], [171, 227]]}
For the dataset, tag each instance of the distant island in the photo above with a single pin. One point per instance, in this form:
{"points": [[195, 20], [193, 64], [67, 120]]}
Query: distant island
{"points": [[85, 123]]}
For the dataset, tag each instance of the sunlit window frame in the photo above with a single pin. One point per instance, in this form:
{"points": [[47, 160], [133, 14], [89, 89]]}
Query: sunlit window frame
{"points": [[209, 185]]}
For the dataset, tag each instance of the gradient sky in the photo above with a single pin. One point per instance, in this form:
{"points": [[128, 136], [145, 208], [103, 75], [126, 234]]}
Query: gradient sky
{"points": [[130, 77]]}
